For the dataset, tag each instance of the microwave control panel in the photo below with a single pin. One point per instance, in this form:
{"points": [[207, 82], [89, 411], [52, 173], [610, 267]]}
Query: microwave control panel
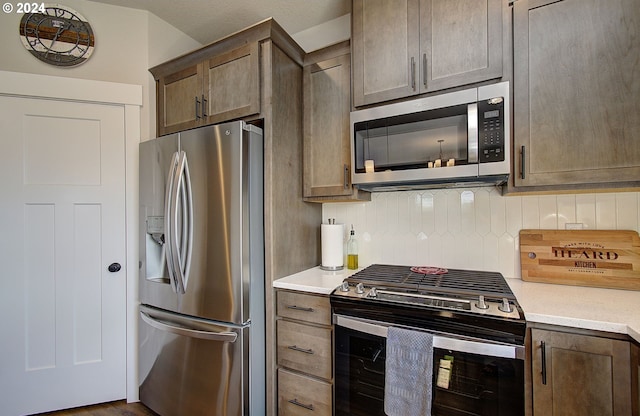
{"points": [[491, 130]]}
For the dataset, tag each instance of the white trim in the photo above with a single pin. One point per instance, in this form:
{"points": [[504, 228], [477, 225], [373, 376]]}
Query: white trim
{"points": [[47, 86], [130, 97]]}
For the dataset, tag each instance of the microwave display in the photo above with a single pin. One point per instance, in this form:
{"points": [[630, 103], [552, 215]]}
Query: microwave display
{"points": [[491, 131], [492, 114]]}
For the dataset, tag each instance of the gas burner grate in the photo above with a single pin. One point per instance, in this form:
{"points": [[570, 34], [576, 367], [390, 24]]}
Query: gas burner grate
{"points": [[454, 282]]}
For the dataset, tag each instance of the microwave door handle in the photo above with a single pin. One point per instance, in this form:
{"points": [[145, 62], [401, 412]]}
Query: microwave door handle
{"points": [[472, 133], [439, 341]]}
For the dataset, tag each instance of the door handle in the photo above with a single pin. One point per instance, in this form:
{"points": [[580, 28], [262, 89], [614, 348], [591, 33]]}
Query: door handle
{"points": [[300, 308], [303, 405], [424, 70], [114, 267], [522, 161], [304, 350], [543, 351], [413, 73], [187, 332], [204, 106]]}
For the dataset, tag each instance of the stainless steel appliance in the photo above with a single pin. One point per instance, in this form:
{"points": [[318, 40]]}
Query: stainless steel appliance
{"points": [[454, 139], [202, 324], [475, 321]]}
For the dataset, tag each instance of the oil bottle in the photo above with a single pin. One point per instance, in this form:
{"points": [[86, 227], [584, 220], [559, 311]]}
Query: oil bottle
{"points": [[352, 250]]}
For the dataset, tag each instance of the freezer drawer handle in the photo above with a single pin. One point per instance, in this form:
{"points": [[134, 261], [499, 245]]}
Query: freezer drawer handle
{"points": [[193, 333], [299, 308], [297, 403], [296, 348]]}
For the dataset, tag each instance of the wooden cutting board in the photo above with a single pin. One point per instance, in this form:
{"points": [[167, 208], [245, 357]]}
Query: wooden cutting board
{"points": [[600, 258]]}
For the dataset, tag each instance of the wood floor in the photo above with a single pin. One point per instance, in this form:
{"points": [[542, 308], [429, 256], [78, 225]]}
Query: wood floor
{"points": [[119, 408]]}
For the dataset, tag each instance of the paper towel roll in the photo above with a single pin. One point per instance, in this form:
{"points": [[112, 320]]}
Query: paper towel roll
{"points": [[331, 236]]}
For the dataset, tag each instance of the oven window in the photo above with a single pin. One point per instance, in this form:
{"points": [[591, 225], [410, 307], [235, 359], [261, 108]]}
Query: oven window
{"points": [[476, 385]]}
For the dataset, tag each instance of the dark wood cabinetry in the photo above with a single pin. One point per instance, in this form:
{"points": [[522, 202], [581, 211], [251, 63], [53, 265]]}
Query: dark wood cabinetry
{"points": [[576, 93], [407, 47], [220, 88], [578, 374], [327, 103], [305, 354]]}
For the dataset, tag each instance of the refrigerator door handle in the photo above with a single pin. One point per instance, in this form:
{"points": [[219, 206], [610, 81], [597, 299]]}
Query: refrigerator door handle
{"points": [[181, 243], [186, 242], [168, 198], [192, 333]]}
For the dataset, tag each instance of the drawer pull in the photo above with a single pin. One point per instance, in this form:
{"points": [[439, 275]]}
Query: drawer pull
{"points": [[300, 308], [297, 403], [296, 348]]}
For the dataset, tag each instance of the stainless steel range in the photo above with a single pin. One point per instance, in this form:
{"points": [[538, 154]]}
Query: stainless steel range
{"points": [[473, 317]]}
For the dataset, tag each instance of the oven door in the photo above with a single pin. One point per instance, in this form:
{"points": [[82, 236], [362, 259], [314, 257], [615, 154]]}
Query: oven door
{"points": [[485, 378]]}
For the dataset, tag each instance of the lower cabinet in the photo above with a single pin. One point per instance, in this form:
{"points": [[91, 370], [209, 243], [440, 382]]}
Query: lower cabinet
{"points": [[301, 395], [305, 354], [577, 374]]}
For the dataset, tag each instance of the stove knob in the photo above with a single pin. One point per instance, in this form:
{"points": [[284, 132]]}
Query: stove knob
{"points": [[344, 287], [481, 304], [359, 288], [373, 293], [506, 306]]}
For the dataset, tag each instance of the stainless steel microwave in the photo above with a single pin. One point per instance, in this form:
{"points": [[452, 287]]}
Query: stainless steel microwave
{"points": [[453, 139]]}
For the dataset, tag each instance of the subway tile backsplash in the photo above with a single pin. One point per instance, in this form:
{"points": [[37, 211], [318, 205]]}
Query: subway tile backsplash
{"points": [[475, 228]]}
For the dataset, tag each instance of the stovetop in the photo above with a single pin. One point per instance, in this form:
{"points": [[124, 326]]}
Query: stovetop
{"points": [[454, 282], [461, 300]]}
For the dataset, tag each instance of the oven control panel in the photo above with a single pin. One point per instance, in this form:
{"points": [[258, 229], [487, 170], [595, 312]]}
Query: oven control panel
{"points": [[503, 308]]}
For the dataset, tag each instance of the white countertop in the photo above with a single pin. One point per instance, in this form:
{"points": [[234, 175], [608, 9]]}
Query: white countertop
{"points": [[314, 280], [608, 310]]}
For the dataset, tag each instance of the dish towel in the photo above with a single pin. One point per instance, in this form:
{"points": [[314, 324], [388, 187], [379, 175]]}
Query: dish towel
{"points": [[408, 373]]}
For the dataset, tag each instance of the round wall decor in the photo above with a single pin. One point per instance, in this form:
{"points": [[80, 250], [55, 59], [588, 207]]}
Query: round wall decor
{"points": [[57, 35]]}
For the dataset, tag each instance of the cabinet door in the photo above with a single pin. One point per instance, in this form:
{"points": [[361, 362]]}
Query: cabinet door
{"points": [[179, 95], [460, 42], [576, 92], [385, 50], [580, 375], [232, 85], [327, 98]]}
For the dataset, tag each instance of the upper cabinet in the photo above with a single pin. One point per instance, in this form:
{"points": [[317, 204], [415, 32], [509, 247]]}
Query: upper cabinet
{"points": [[327, 103], [202, 91], [576, 93], [407, 47]]}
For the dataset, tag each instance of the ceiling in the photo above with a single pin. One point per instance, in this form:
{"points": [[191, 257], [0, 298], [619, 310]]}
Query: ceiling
{"points": [[209, 20]]}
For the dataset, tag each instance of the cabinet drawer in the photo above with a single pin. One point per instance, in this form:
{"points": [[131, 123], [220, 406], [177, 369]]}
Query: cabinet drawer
{"points": [[309, 308], [300, 395], [304, 348]]}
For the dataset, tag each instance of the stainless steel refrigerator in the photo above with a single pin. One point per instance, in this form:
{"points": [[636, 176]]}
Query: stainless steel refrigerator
{"points": [[201, 326]]}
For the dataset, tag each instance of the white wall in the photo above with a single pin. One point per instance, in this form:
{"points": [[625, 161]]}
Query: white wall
{"points": [[473, 228], [128, 43], [325, 34]]}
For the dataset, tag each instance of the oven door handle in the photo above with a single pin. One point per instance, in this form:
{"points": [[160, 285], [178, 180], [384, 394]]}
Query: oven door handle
{"points": [[439, 341]]}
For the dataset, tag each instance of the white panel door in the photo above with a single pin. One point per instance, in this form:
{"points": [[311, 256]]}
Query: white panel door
{"points": [[62, 223]]}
